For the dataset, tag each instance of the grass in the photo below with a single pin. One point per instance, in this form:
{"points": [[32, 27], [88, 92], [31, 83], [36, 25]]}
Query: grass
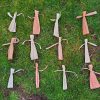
{"points": [[70, 28]]}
